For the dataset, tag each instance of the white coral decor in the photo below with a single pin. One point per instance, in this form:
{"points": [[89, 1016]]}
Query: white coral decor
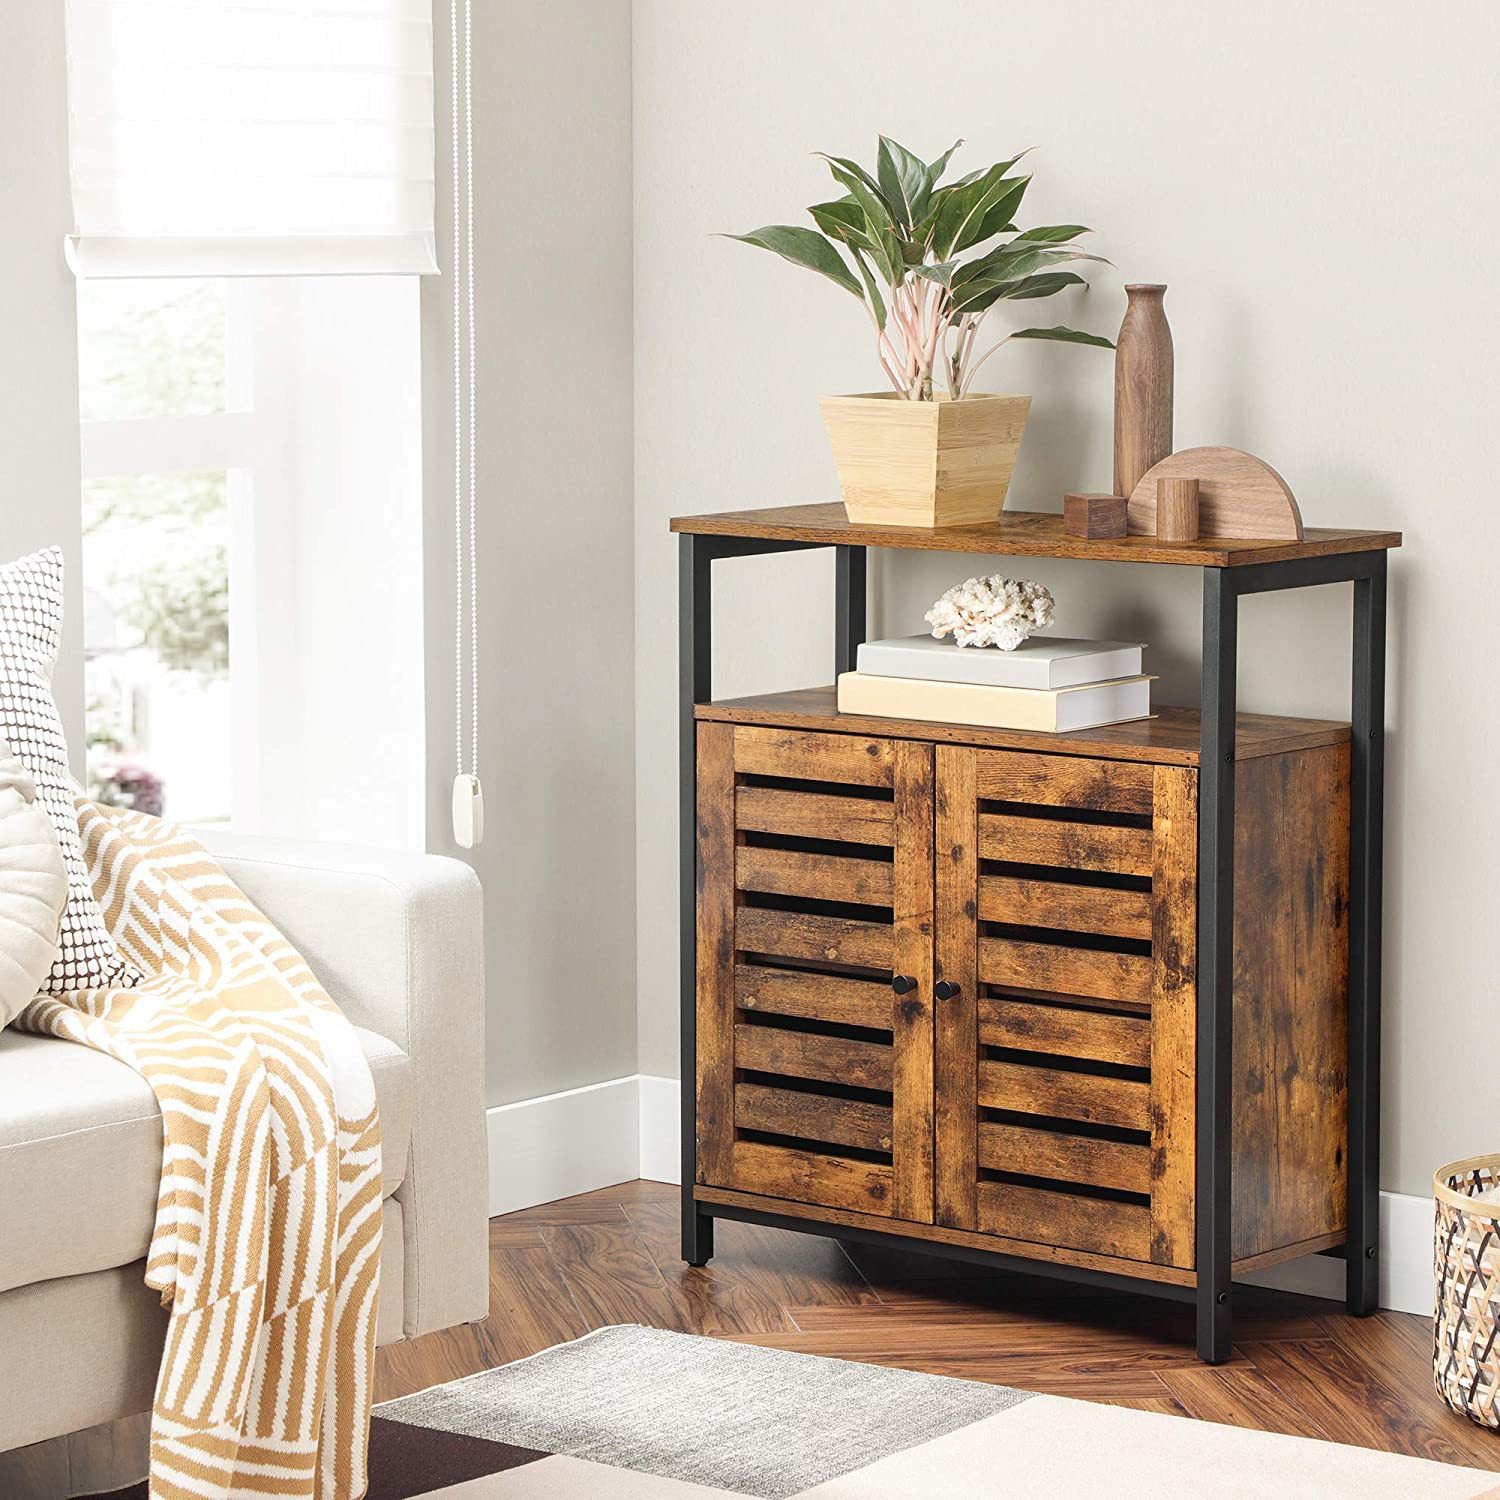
{"points": [[992, 611]]}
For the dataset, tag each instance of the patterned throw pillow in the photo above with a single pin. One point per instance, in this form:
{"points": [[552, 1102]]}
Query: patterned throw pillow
{"points": [[31, 607]]}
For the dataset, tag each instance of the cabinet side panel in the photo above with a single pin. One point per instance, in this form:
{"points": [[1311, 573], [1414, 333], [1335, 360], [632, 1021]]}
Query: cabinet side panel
{"points": [[716, 900], [1174, 1014], [911, 1013], [957, 885], [1291, 998]]}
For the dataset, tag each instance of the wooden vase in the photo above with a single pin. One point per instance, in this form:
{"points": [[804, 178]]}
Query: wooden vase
{"points": [[1143, 387]]}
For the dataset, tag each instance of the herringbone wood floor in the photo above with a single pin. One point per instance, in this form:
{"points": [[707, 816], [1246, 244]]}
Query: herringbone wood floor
{"points": [[1300, 1365]]}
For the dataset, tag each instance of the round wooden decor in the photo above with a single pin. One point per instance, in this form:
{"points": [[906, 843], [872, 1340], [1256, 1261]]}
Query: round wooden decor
{"points": [[1239, 495]]}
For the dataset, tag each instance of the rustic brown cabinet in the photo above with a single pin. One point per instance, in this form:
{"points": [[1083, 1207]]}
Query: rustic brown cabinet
{"points": [[1103, 1005], [953, 988]]}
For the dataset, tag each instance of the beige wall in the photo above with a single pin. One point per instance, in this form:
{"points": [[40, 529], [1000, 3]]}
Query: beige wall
{"points": [[552, 168], [39, 485], [1315, 184]]}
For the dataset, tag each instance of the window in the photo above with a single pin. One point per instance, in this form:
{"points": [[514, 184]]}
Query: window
{"points": [[161, 456], [252, 552]]}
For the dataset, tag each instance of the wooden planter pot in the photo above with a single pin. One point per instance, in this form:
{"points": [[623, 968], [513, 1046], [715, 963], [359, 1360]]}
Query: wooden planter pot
{"points": [[924, 463]]}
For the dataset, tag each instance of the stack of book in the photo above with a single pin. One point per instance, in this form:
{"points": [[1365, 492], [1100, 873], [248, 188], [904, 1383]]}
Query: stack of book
{"points": [[1051, 685]]}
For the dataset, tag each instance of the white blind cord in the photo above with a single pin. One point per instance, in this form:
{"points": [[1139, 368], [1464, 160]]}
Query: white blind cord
{"points": [[468, 797], [458, 430], [473, 335]]}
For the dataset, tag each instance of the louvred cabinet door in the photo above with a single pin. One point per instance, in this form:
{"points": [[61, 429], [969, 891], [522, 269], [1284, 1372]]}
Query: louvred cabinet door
{"points": [[1066, 917], [815, 955]]}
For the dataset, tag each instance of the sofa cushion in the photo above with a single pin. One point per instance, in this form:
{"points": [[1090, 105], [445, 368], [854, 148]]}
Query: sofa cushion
{"points": [[31, 608], [33, 888], [80, 1153]]}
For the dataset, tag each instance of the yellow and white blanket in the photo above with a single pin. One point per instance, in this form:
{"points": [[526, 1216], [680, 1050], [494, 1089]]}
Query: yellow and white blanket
{"points": [[266, 1246]]}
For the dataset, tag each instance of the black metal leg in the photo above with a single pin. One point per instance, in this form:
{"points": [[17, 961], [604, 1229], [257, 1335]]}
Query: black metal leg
{"points": [[1215, 962], [694, 685], [851, 612], [697, 1230], [695, 557], [1367, 803]]}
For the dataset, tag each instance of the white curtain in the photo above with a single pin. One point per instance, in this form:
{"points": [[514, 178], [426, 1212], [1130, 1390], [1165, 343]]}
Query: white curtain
{"points": [[250, 137]]}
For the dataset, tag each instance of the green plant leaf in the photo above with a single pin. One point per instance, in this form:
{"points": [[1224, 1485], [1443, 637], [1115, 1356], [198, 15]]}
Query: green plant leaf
{"points": [[843, 169], [964, 212], [938, 167], [845, 221], [839, 219], [1015, 259], [1064, 336], [950, 210], [803, 247], [1006, 262], [1046, 285], [883, 246], [1053, 234], [1025, 260], [976, 296], [942, 273], [923, 232], [905, 182], [999, 169], [997, 217], [872, 291]]}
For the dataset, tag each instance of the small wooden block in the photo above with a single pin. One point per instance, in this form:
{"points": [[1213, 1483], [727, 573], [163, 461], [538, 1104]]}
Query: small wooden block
{"points": [[1177, 510], [1094, 516]]}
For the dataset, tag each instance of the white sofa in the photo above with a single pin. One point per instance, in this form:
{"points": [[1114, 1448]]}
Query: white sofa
{"points": [[396, 941]]}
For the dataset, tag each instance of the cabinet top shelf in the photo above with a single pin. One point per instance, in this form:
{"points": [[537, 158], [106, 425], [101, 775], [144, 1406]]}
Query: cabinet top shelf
{"points": [[1020, 533]]}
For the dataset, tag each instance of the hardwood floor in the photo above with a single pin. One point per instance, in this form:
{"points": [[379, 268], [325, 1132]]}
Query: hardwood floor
{"points": [[1300, 1365]]}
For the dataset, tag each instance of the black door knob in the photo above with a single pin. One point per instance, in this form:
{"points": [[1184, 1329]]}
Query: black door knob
{"points": [[903, 983], [945, 989]]}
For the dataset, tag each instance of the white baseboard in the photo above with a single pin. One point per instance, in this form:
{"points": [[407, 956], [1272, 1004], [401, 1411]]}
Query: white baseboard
{"points": [[661, 1129], [553, 1147], [1405, 1261], [561, 1144], [557, 1145]]}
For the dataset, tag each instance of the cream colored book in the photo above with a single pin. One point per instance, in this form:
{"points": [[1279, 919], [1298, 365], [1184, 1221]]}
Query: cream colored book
{"points": [[1046, 710]]}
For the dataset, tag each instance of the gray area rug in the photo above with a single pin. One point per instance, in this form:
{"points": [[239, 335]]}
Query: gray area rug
{"points": [[633, 1413], [740, 1418]]}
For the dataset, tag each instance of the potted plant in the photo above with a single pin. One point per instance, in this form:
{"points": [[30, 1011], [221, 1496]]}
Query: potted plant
{"points": [[931, 451]]}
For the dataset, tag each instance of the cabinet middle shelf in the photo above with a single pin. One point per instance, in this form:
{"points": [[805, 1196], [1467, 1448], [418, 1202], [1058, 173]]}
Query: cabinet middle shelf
{"points": [[1169, 737]]}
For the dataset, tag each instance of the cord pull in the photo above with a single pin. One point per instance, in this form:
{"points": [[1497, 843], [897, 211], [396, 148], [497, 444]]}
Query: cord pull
{"points": [[468, 811]]}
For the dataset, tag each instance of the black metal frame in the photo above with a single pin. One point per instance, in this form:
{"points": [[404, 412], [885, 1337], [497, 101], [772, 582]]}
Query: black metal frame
{"points": [[695, 558], [1222, 590]]}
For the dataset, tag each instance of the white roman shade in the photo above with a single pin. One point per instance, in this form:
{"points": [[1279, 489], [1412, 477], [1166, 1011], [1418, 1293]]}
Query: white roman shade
{"points": [[250, 137]]}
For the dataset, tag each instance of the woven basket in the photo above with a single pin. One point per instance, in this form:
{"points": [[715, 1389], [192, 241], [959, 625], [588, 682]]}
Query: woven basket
{"points": [[1466, 1262]]}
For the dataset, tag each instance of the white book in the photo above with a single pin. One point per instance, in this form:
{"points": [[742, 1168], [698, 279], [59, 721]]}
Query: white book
{"points": [[1048, 710], [1038, 662]]}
